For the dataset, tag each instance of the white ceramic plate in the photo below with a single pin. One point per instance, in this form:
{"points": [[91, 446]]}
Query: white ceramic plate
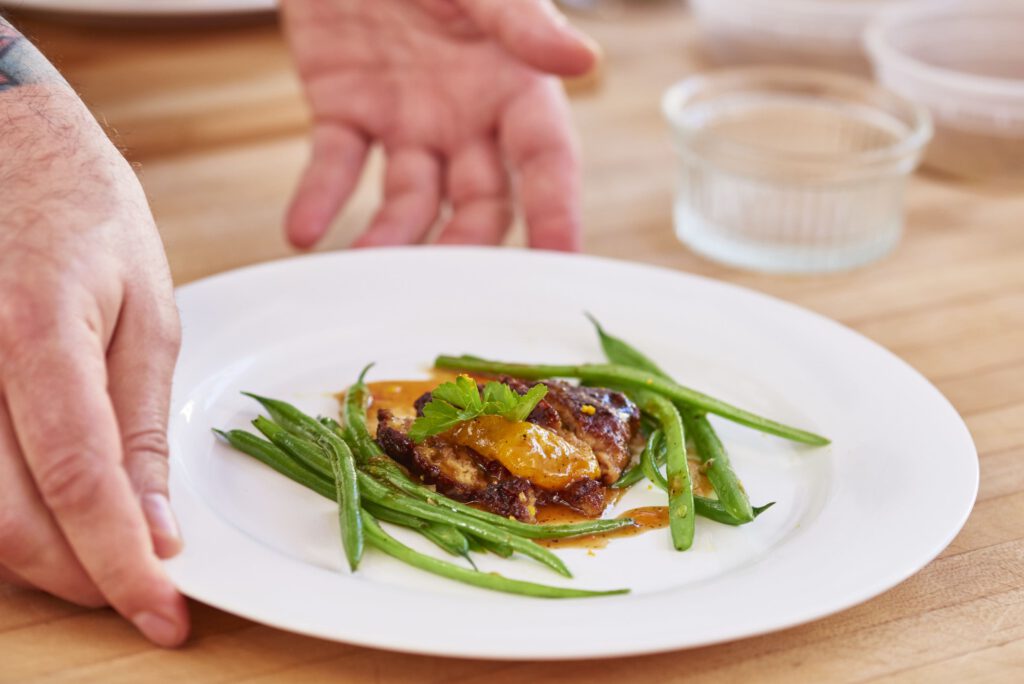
{"points": [[852, 519], [139, 8]]}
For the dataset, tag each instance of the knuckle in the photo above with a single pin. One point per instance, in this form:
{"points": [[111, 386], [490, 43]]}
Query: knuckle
{"points": [[149, 441], [146, 459], [71, 482]]}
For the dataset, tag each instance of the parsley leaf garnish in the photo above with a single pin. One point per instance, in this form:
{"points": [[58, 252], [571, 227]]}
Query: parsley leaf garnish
{"points": [[456, 402]]}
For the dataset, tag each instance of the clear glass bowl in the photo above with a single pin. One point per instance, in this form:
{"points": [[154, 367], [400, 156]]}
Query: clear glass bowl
{"points": [[824, 34], [791, 170], [964, 61]]}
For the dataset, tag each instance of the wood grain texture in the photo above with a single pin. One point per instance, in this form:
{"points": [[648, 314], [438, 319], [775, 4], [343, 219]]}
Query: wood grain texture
{"points": [[215, 120]]}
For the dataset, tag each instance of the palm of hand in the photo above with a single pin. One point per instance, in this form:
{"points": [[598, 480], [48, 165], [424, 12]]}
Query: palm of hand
{"points": [[451, 108]]}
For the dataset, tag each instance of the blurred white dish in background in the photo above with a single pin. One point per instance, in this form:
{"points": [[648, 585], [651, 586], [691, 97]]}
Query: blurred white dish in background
{"points": [[964, 61], [824, 34], [144, 8]]}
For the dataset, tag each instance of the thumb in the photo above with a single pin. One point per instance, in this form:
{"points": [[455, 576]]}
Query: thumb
{"points": [[535, 32], [140, 363]]}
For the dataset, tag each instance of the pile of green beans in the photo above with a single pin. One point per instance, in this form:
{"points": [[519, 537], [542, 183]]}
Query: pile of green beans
{"points": [[345, 464]]}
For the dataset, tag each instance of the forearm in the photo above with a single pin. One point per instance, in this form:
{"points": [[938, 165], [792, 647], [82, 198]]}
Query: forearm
{"points": [[54, 156]]}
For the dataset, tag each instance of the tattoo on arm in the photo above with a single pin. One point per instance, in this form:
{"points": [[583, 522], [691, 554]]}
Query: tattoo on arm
{"points": [[20, 62], [8, 38]]}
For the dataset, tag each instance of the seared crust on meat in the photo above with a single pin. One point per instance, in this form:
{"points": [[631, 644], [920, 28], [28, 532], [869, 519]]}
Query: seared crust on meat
{"points": [[454, 469], [585, 496]]}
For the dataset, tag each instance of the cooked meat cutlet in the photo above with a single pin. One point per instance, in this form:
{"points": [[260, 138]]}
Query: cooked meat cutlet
{"points": [[597, 423]]}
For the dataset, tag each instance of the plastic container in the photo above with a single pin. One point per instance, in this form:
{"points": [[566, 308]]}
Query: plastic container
{"points": [[791, 170], [964, 61], [825, 34]]}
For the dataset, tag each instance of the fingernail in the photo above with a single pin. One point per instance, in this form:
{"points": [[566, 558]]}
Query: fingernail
{"points": [[166, 536], [157, 629]]}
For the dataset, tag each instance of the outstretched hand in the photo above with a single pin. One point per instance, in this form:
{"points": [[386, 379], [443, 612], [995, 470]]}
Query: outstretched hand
{"points": [[459, 95]]}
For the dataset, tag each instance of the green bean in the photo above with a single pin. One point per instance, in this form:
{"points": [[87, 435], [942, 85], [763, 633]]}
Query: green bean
{"points": [[629, 477], [306, 453], [386, 470], [381, 540], [290, 418], [343, 465], [704, 507], [503, 550], [354, 414], [712, 509], [647, 460], [716, 464], [709, 448], [680, 490], [621, 352], [445, 537], [271, 455], [624, 376]]}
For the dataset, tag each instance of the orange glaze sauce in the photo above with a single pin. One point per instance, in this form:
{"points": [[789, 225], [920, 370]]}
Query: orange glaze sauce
{"points": [[644, 520]]}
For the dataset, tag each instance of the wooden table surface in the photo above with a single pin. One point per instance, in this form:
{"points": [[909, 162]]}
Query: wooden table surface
{"points": [[214, 119]]}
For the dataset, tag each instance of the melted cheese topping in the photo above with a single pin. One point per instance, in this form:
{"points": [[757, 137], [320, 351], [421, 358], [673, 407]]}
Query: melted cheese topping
{"points": [[528, 451]]}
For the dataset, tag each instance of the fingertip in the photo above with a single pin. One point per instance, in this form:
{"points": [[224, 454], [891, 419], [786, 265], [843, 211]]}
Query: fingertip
{"points": [[165, 621], [304, 227], [538, 34], [561, 52], [577, 55], [162, 630]]}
